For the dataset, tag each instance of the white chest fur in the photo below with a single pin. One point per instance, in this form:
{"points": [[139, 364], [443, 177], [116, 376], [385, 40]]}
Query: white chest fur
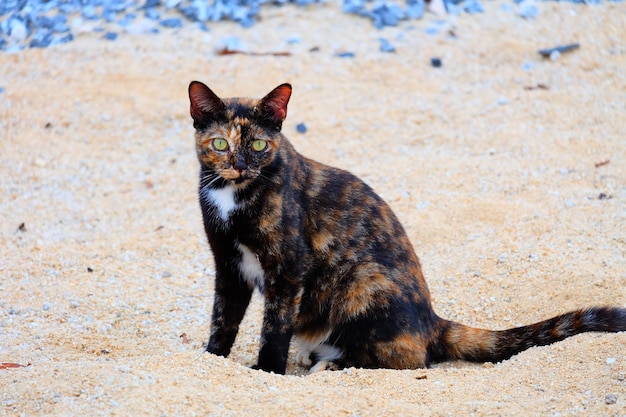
{"points": [[223, 199], [250, 268]]}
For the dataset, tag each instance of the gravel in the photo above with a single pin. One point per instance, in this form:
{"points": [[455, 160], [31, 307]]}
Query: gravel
{"points": [[43, 23]]}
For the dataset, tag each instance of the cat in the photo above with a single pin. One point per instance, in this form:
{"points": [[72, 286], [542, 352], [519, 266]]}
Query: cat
{"points": [[334, 264]]}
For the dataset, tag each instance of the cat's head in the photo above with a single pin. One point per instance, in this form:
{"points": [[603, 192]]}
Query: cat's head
{"points": [[236, 137]]}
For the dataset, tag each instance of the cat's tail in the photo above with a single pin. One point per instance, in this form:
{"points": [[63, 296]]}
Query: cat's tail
{"points": [[458, 341]]}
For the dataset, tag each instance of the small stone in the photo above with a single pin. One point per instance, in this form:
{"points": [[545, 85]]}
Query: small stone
{"points": [[59, 24], [64, 39], [414, 9], [232, 43], [89, 12], [173, 22], [435, 62], [301, 128], [386, 46], [610, 361], [528, 9], [152, 14], [127, 20], [41, 39], [110, 36], [18, 29], [610, 399], [386, 14], [502, 101], [473, 7], [345, 54], [170, 4]]}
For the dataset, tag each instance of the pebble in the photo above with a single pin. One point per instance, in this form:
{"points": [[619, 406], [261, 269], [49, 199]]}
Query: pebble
{"points": [[610, 399], [472, 7], [386, 46], [527, 9], [301, 128], [110, 36], [346, 54], [435, 62], [172, 23]]}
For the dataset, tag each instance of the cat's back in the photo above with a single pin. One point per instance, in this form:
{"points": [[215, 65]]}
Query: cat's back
{"points": [[344, 216]]}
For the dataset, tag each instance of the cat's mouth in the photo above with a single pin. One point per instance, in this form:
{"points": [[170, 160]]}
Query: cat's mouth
{"points": [[236, 176]]}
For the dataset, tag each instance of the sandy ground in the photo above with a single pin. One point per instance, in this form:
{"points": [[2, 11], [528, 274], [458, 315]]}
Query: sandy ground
{"points": [[508, 171]]}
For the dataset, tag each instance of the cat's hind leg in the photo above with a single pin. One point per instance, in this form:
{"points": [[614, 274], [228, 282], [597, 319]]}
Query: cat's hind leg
{"points": [[317, 355]]}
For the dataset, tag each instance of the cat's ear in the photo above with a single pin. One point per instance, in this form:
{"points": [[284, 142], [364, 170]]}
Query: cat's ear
{"points": [[206, 106], [274, 105]]}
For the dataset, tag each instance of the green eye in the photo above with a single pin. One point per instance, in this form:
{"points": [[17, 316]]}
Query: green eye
{"points": [[259, 145], [220, 144]]}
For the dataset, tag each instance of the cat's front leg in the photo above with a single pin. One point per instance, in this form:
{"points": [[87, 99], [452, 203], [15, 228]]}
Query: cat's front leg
{"points": [[232, 297], [278, 328]]}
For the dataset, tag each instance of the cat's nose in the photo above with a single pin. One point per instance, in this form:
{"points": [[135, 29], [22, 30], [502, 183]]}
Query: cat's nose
{"points": [[240, 165]]}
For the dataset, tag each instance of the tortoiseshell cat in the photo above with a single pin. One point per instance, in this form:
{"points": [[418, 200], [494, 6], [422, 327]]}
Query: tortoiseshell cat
{"points": [[330, 257]]}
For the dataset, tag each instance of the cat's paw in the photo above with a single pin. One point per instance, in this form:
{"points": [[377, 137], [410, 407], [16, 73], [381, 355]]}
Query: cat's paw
{"points": [[303, 358], [323, 366]]}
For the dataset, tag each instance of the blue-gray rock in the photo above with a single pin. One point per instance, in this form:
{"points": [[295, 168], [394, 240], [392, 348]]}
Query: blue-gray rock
{"points": [[386, 46], [59, 24], [346, 54], [473, 6], [127, 20], [172, 22], [414, 9], [89, 12], [17, 28], [41, 39], [152, 14], [387, 14], [528, 9]]}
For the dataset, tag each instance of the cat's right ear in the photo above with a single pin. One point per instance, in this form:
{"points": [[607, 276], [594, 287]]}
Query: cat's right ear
{"points": [[206, 106]]}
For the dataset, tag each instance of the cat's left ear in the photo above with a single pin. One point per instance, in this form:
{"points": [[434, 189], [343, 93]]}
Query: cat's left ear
{"points": [[205, 105], [274, 105]]}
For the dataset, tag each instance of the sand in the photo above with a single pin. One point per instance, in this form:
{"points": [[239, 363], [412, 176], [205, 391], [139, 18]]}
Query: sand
{"points": [[508, 171]]}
